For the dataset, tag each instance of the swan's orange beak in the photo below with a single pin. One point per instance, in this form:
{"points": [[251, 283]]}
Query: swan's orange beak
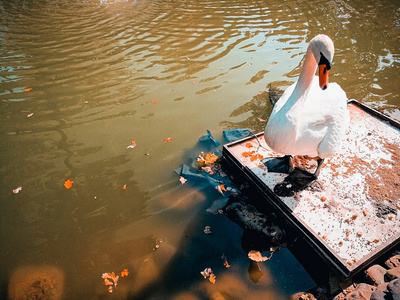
{"points": [[323, 76]]}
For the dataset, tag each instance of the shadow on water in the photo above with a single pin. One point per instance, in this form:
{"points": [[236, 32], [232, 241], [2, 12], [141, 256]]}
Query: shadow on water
{"points": [[199, 249]]}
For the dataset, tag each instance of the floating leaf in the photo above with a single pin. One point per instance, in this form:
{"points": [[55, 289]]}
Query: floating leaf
{"points": [[256, 256], [110, 280], [154, 101], [182, 180], [124, 187], [210, 158], [168, 140], [17, 190], [221, 188], [208, 170], [124, 273], [30, 115], [133, 145], [27, 89], [68, 183], [107, 282], [261, 120]]}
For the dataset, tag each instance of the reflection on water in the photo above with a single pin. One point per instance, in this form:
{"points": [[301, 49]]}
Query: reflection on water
{"points": [[81, 80]]}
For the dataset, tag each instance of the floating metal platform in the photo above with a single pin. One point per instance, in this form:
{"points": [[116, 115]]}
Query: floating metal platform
{"points": [[351, 215]]}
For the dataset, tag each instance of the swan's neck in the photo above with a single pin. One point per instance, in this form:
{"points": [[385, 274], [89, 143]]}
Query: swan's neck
{"points": [[306, 76]]}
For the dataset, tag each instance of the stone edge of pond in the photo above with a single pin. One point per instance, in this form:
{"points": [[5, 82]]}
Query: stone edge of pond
{"points": [[381, 282]]}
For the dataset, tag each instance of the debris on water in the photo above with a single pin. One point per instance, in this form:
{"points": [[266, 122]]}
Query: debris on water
{"points": [[132, 145], [17, 190], [182, 180], [208, 273], [207, 230]]}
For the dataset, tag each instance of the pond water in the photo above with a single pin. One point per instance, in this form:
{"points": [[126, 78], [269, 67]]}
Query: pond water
{"points": [[81, 80]]}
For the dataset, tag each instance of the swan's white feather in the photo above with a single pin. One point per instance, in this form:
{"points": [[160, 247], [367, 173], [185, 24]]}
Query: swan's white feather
{"points": [[308, 120]]}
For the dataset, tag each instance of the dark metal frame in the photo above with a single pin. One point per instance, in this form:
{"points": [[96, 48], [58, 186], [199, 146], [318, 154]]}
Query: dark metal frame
{"points": [[315, 242]]}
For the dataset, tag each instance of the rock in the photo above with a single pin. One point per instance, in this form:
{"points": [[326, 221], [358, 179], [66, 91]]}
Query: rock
{"points": [[376, 274], [394, 289], [249, 218], [363, 291], [302, 296], [343, 294], [378, 295], [36, 282], [382, 287], [393, 273], [393, 262]]}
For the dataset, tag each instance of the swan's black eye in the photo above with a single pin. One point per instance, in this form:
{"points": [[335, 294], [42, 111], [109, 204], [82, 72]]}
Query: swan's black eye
{"points": [[324, 61]]}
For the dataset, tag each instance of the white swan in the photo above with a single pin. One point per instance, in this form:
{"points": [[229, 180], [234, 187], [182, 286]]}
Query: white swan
{"points": [[310, 118]]}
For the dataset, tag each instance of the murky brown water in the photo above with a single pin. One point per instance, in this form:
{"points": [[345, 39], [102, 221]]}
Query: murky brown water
{"points": [[78, 84]]}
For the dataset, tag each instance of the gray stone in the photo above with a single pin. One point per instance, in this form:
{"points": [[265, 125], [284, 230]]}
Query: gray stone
{"points": [[378, 295], [394, 289]]}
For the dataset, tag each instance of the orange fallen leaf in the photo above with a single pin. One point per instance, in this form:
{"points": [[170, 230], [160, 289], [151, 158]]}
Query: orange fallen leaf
{"points": [[210, 158], [110, 289], [154, 101], [255, 157], [182, 180], [168, 140], [256, 256], [221, 188], [208, 170], [68, 183], [124, 273], [248, 145], [30, 115], [107, 282], [212, 278], [27, 89], [124, 187], [261, 120]]}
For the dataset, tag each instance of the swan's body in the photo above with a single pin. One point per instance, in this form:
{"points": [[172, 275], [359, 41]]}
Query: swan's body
{"points": [[310, 118]]}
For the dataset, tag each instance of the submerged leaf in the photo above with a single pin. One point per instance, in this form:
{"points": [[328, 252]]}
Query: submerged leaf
{"points": [[206, 272], [212, 278], [124, 273]]}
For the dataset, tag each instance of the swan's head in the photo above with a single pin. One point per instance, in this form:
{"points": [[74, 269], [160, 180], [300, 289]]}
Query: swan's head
{"points": [[323, 50]]}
